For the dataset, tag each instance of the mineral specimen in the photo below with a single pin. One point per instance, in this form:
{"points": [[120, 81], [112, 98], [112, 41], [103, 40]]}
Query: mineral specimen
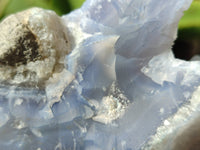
{"points": [[29, 42], [100, 78]]}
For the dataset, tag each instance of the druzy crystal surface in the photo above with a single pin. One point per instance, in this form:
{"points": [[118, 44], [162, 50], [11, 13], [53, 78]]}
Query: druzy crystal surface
{"points": [[118, 87]]}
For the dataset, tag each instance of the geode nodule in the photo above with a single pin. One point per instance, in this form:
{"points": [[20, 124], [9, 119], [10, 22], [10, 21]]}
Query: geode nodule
{"points": [[102, 77]]}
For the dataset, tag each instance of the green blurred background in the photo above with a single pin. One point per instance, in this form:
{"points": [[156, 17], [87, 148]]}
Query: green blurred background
{"points": [[186, 46], [188, 42], [59, 6]]}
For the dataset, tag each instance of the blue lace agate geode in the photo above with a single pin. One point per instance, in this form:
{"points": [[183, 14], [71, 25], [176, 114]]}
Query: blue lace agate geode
{"points": [[104, 78]]}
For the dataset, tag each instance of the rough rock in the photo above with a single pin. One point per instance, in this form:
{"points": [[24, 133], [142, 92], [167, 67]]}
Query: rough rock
{"points": [[33, 44]]}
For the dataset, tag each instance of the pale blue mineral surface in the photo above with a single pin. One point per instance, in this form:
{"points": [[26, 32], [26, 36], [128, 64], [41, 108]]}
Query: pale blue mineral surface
{"points": [[121, 82]]}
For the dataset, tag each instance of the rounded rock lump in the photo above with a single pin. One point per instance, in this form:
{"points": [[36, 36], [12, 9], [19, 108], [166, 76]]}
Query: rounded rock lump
{"points": [[33, 45]]}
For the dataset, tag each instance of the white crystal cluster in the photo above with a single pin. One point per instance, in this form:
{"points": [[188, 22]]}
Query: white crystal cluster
{"points": [[118, 87]]}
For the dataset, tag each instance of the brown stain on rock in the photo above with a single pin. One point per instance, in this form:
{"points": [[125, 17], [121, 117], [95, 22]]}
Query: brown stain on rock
{"points": [[25, 50]]}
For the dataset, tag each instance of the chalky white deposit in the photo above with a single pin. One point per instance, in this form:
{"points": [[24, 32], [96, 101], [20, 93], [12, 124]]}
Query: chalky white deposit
{"points": [[105, 79]]}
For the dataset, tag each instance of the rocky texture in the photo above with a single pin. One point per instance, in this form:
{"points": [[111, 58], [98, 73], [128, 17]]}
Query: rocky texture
{"points": [[33, 44], [119, 88]]}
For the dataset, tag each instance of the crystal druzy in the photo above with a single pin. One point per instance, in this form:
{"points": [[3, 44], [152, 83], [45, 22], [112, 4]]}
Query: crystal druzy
{"points": [[100, 78]]}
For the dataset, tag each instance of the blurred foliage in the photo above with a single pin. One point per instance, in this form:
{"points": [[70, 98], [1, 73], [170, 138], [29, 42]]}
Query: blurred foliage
{"points": [[187, 44], [59, 6], [189, 26], [191, 17]]}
